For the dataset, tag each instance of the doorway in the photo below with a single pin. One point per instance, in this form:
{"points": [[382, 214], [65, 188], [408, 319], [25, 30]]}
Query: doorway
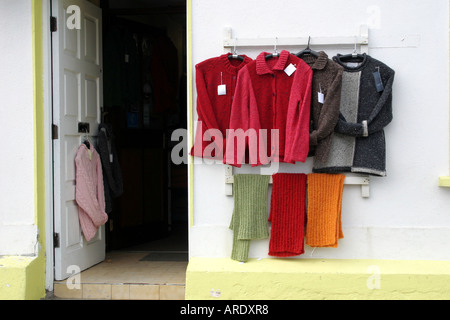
{"points": [[144, 101], [144, 93]]}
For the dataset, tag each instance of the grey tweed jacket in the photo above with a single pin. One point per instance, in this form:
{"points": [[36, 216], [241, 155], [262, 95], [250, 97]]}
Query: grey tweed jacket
{"points": [[359, 141]]}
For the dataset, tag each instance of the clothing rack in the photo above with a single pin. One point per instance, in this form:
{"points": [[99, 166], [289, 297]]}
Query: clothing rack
{"points": [[361, 40], [362, 181]]}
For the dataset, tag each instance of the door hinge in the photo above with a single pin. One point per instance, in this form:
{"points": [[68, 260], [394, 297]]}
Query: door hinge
{"points": [[54, 131], [53, 24], [56, 242]]}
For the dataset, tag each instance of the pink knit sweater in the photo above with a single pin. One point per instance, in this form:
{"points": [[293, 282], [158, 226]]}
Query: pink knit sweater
{"points": [[89, 191]]}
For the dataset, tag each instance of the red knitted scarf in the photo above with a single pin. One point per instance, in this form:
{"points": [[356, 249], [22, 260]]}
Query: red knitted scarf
{"points": [[287, 214]]}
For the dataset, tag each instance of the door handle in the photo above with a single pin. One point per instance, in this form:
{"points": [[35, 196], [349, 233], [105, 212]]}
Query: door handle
{"points": [[83, 127]]}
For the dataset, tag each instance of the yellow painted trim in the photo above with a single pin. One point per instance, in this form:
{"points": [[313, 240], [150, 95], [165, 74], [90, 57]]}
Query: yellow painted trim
{"points": [[190, 113], [316, 279], [23, 278], [38, 114], [36, 273], [444, 181]]}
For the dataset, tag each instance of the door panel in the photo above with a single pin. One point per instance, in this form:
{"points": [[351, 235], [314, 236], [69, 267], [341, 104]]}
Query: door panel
{"points": [[77, 97]]}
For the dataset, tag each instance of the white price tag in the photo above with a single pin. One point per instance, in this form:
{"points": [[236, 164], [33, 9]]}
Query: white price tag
{"points": [[222, 90], [320, 97], [290, 69]]}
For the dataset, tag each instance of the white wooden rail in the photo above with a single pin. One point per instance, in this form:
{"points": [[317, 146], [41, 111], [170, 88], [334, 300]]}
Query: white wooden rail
{"points": [[361, 40], [362, 181]]}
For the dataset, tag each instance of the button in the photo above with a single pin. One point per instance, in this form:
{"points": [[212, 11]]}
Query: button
{"points": [[273, 94], [273, 75]]}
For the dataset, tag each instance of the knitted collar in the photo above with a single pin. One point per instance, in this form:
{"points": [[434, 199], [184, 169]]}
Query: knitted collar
{"points": [[317, 63], [232, 68], [263, 68]]}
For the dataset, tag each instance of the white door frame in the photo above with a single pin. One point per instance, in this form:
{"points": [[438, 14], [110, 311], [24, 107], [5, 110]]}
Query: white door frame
{"points": [[48, 120], [48, 152]]}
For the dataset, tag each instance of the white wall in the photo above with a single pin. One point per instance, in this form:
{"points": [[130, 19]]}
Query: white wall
{"points": [[18, 232], [407, 215]]}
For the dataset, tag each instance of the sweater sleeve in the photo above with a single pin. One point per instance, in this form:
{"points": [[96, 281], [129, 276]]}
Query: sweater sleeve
{"points": [[329, 114], [205, 111], [298, 117], [380, 116]]}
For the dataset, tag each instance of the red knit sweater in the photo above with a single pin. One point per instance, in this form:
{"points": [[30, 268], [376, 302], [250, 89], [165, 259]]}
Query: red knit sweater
{"points": [[213, 109], [268, 98]]}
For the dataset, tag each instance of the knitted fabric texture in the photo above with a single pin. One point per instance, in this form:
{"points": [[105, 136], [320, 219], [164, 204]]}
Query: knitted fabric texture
{"points": [[249, 220], [287, 214], [270, 104], [89, 191], [324, 227], [358, 144], [213, 109], [327, 79]]}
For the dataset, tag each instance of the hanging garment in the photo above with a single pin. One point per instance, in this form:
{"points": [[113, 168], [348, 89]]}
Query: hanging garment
{"points": [[249, 220], [214, 106], [164, 71], [287, 214], [271, 94], [325, 103], [358, 144], [112, 174], [89, 191], [324, 227]]}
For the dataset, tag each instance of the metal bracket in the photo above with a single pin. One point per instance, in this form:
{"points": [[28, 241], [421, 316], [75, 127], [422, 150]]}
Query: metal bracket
{"points": [[56, 241]]}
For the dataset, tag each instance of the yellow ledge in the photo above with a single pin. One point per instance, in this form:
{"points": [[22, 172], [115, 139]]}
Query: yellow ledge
{"points": [[444, 181], [21, 278], [316, 279]]}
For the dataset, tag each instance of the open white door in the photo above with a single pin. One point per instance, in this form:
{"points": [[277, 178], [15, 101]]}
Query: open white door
{"points": [[77, 97]]}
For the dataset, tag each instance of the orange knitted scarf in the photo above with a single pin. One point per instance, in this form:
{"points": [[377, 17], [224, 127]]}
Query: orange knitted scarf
{"points": [[324, 227]]}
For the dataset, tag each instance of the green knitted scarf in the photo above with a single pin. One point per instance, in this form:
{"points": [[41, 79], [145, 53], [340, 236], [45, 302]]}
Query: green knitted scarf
{"points": [[249, 220]]}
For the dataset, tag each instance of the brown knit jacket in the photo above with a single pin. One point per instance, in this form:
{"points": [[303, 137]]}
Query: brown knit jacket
{"points": [[327, 76]]}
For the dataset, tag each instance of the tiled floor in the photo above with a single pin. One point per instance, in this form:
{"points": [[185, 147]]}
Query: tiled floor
{"points": [[123, 276]]}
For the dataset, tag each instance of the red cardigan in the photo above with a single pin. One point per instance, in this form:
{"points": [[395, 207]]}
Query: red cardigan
{"points": [[214, 110], [268, 98]]}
